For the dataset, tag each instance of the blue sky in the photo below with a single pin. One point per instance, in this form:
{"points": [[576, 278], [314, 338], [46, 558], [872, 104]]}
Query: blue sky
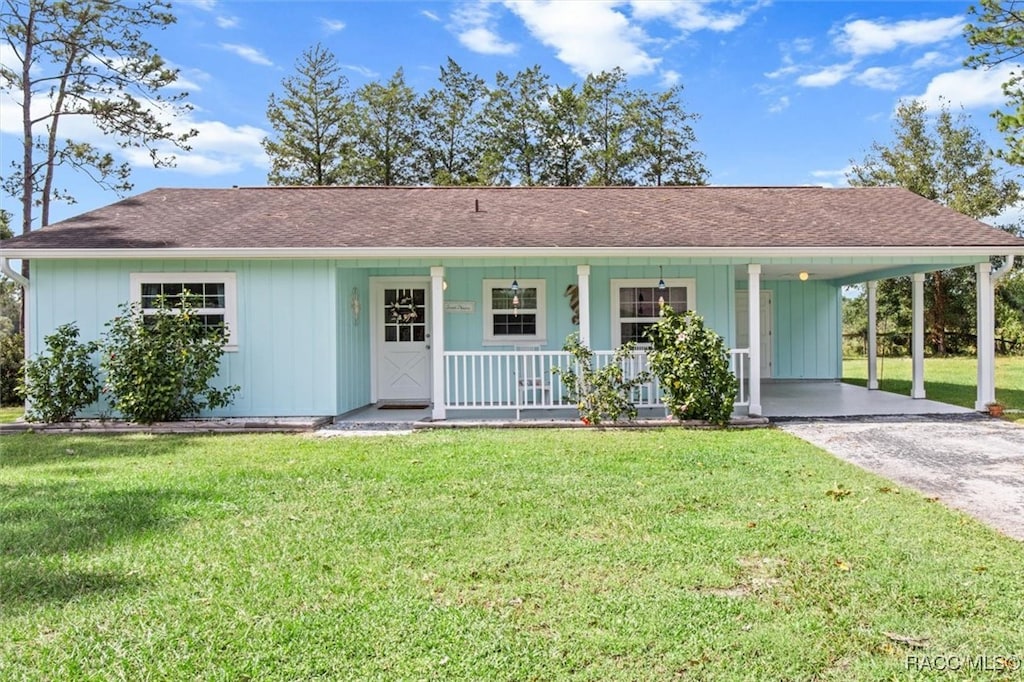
{"points": [[788, 92]]}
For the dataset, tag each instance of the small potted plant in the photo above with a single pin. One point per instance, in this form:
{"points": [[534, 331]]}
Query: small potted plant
{"points": [[995, 409]]}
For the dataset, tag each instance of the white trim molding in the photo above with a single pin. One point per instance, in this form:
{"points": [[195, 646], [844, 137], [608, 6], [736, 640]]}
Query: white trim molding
{"points": [[228, 279], [541, 312], [688, 283]]}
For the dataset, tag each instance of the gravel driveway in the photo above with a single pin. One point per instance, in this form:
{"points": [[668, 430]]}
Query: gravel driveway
{"points": [[972, 463]]}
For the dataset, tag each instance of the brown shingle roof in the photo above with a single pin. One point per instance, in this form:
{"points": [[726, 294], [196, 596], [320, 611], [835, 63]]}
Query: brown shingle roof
{"points": [[421, 217]]}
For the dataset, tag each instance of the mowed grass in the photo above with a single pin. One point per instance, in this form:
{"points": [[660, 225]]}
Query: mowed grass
{"points": [[948, 380], [498, 555], [9, 415]]}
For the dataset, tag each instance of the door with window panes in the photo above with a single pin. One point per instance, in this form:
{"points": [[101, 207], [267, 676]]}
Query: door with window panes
{"points": [[402, 340]]}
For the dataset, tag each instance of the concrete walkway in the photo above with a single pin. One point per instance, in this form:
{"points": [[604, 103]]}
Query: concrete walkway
{"points": [[970, 462]]}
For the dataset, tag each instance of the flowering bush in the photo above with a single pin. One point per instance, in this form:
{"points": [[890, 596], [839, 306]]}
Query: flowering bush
{"points": [[61, 381], [604, 394], [692, 364], [159, 366]]}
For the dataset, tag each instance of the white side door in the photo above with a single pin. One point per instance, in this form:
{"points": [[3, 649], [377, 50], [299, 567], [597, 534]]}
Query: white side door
{"points": [[401, 339]]}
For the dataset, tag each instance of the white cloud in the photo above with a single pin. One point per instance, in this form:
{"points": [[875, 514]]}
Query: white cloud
{"points": [[430, 15], [361, 70], [588, 37], [227, 22], [779, 105], [832, 178], [936, 59], [218, 148], [476, 28], [250, 54], [332, 25], [827, 77], [969, 88], [692, 15], [880, 78], [863, 37], [207, 5], [189, 79], [486, 41], [670, 78], [782, 71]]}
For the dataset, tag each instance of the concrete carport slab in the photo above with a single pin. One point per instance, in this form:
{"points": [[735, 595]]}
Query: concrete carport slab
{"points": [[970, 462]]}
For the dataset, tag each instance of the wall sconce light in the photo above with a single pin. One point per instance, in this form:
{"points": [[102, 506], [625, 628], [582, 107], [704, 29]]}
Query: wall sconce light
{"points": [[355, 305], [444, 285], [803, 276]]}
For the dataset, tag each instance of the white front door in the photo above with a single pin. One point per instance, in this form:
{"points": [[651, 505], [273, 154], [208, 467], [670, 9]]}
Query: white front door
{"points": [[401, 339], [743, 327]]}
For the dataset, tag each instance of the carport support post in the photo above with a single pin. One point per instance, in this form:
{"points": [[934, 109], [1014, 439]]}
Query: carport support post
{"points": [[986, 339], [437, 342], [873, 335], [917, 340], [754, 306], [583, 281]]}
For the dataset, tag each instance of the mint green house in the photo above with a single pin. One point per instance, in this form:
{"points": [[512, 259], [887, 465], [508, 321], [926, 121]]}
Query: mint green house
{"points": [[337, 298]]}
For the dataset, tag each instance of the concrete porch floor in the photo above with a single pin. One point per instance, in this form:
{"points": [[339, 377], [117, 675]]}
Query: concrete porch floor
{"points": [[779, 399], [836, 399]]}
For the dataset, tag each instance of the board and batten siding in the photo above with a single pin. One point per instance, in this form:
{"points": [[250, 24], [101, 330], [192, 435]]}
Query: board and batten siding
{"points": [[353, 340], [807, 328], [287, 355]]}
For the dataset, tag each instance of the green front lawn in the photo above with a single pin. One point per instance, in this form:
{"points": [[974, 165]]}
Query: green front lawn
{"points": [[507, 555], [9, 415], [948, 380]]}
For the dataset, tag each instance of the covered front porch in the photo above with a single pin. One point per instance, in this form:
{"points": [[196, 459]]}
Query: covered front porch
{"points": [[782, 400]]}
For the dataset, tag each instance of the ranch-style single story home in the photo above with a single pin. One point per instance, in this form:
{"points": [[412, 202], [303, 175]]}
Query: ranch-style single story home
{"points": [[461, 298]]}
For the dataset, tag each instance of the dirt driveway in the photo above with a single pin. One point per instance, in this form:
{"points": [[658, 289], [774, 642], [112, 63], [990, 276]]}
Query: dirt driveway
{"points": [[972, 463]]}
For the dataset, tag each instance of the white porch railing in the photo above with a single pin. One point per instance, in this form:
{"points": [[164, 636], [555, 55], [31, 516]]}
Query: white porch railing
{"points": [[523, 379]]}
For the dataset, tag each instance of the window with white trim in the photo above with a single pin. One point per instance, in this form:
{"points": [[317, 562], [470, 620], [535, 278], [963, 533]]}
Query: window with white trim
{"points": [[213, 296], [636, 306], [507, 323]]}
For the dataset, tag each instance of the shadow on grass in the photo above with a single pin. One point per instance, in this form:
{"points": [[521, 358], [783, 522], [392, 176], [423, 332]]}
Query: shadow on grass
{"points": [[40, 523], [954, 394], [30, 449], [26, 586], [58, 518]]}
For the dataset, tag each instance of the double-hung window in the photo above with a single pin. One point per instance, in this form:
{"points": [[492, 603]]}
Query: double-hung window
{"points": [[508, 323], [213, 296], [636, 306]]}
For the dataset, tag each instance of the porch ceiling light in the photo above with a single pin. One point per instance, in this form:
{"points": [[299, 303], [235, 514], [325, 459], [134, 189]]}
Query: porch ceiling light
{"points": [[515, 281], [515, 293], [803, 276], [661, 278]]}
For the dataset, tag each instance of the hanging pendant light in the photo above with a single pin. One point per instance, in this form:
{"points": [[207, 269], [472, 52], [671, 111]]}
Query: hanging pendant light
{"points": [[515, 293], [661, 285]]}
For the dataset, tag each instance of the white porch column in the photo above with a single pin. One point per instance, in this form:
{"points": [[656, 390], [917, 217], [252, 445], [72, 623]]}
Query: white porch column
{"points": [[754, 305], [583, 281], [872, 335], [986, 338], [917, 340], [437, 368]]}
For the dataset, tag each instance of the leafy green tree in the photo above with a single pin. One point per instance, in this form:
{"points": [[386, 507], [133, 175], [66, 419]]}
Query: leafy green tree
{"points": [[160, 366], [387, 133], [514, 119], [945, 161], [996, 33], [312, 121], [663, 148], [452, 145], [564, 135], [85, 60], [692, 366], [63, 380], [611, 123]]}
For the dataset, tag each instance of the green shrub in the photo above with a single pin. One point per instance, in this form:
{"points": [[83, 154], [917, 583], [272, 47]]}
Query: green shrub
{"points": [[692, 365], [12, 355], [159, 366], [603, 394], [63, 380]]}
